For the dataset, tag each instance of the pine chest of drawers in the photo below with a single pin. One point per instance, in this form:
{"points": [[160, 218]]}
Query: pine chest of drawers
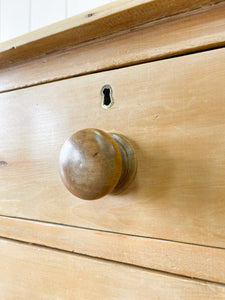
{"points": [[162, 65]]}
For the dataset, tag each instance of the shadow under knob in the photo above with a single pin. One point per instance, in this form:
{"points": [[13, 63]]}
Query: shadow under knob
{"points": [[94, 163]]}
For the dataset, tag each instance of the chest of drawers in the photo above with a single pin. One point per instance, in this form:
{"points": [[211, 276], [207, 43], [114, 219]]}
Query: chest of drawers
{"points": [[164, 236]]}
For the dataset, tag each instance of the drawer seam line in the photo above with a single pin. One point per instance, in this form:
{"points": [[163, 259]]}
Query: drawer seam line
{"points": [[108, 231], [191, 51], [113, 261]]}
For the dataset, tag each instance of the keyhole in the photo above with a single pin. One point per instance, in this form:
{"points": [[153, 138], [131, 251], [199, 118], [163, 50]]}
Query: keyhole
{"points": [[107, 98]]}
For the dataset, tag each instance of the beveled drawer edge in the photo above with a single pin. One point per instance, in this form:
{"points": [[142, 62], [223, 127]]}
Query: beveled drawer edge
{"points": [[200, 262]]}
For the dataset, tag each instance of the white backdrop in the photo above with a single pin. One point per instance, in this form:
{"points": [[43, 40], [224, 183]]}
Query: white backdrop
{"points": [[21, 16]]}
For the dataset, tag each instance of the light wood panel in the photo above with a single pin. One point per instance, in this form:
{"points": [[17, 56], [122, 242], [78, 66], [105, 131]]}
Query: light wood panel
{"points": [[106, 20], [178, 258], [31, 272], [173, 111], [165, 38]]}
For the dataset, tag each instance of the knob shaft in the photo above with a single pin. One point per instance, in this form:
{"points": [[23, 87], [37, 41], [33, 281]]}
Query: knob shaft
{"points": [[94, 163]]}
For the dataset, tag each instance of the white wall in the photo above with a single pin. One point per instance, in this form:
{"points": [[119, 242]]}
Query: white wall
{"points": [[21, 16]]}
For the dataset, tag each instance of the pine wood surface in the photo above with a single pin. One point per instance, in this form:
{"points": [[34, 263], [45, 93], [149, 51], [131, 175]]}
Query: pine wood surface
{"points": [[112, 18], [177, 258], [31, 272], [195, 31], [171, 219], [172, 110]]}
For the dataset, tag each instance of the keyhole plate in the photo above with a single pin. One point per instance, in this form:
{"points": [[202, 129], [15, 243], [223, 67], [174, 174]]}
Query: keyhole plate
{"points": [[107, 96]]}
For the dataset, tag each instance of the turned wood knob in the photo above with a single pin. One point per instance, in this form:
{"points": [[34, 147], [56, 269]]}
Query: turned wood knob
{"points": [[94, 163]]}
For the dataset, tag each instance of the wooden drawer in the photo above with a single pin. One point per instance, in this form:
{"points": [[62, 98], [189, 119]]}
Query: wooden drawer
{"points": [[29, 272], [173, 111]]}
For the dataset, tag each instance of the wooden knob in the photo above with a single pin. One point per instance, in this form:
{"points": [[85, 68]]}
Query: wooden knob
{"points": [[94, 163]]}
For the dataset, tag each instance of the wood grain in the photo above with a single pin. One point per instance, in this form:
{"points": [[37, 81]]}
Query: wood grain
{"points": [[183, 259], [172, 111], [30, 272], [177, 35], [103, 21]]}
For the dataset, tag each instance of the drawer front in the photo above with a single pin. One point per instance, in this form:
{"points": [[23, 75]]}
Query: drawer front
{"points": [[173, 112], [194, 261], [29, 272]]}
